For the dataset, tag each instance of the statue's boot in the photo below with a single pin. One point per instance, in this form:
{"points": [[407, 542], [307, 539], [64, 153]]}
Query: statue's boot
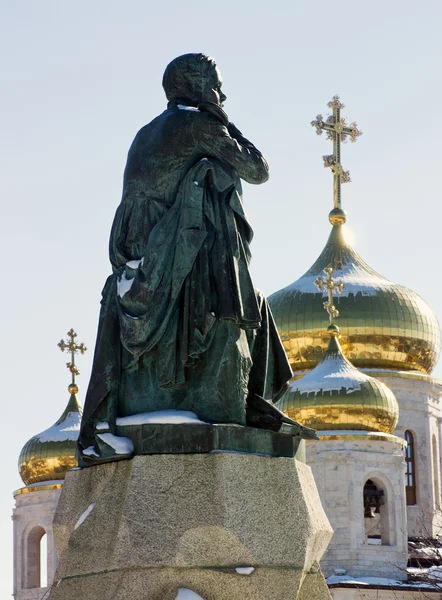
{"points": [[263, 414]]}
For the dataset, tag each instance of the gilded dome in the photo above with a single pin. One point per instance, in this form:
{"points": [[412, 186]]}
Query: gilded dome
{"points": [[336, 396], [382, 324], [49, 455]]}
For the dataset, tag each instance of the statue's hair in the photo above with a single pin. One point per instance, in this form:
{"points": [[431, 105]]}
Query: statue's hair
{"points": [[186, 77]]}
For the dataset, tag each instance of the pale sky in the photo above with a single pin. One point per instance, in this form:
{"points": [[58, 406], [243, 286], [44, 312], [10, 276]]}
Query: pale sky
{"points": [[80, 78]]}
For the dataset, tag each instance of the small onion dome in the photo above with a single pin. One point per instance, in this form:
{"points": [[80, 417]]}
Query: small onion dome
{"points": [[335, 395], [49, 455], [383, 325]]}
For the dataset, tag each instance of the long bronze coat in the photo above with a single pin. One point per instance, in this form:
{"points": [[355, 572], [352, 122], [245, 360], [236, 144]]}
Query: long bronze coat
{"points": [[181, 324]]}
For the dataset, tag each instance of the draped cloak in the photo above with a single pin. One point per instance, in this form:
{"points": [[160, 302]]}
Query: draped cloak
{"points": [[181, 325]]}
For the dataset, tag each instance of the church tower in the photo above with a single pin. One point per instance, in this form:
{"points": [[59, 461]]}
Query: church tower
{"points": [[43, 463], [377, 464]]}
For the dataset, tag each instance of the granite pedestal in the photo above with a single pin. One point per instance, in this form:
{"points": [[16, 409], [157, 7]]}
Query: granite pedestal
{"points": [[148, 527]]}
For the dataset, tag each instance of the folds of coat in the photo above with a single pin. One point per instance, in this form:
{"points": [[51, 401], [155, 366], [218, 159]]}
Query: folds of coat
{"points": [[192, 271]]}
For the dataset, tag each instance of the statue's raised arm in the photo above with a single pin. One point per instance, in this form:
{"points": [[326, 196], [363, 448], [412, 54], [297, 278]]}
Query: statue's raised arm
{"points": [[183, 334]]}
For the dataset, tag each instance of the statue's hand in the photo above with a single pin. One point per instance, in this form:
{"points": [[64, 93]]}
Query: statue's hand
{"points": [[216, 111], [238, 136]]}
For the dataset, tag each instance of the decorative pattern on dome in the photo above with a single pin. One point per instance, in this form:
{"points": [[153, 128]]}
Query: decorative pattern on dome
{"points": [[382, 324], [49, 455]]}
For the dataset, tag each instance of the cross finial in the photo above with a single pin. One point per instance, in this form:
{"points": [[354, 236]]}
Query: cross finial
{"points": [[338, 131], [72, 347], [331, 285]]}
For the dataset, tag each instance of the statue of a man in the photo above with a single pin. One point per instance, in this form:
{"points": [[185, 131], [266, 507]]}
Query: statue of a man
{"points": [[181, 325]]}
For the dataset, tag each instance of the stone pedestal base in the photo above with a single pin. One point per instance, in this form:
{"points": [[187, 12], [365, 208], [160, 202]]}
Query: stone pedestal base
{"points": [[144, 528]]}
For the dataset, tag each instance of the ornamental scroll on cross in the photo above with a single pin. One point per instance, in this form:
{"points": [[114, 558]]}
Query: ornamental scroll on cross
{"points": [[338, 131], [74, 348], [331, 285]]}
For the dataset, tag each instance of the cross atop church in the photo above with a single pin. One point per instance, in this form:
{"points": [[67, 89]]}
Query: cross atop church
{"points": [[338, 131], [74, 348], [331, 285]]}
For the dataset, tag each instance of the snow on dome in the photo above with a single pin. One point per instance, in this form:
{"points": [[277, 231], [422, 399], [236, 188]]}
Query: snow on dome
{"points": [[49, 455], [336, 396], [382, 324]]}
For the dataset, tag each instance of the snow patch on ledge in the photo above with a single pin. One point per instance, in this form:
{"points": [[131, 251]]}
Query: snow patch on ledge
{"points": [[364, 580], [121, 445], [85, 515], [383, 581], [90, 451], [358, 432], [245, 570], [102, 426], [161, 416], [41, 483], [185, 594]]}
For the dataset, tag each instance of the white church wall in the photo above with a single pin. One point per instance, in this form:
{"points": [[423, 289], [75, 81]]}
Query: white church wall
{"points": [[32, 518], [341, 468], [420, 413]]}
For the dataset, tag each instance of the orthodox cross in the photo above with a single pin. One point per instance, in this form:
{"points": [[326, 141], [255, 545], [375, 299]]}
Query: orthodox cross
{"points": [[331, 285], [72, 347], [338, 131]]}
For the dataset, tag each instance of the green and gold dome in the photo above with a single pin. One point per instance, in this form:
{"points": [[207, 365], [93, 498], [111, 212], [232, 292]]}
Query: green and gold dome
{"points": [[49, 455], [337, 396], [383, 325]]}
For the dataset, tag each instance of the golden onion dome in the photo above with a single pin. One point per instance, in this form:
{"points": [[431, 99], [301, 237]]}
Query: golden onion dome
{"points": [[337, 396], [49, 455], [382, 324]]}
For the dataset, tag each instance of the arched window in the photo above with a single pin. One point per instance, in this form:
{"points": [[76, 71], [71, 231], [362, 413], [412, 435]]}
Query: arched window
{"points": [[36, 558], [378, 520], [44, 561], [410, 472]]}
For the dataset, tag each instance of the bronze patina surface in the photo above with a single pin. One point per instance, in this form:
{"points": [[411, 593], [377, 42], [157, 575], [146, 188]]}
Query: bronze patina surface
{"points": [[201, 438], [181, 325]]}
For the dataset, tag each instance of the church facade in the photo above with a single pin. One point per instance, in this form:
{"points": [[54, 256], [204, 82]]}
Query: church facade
{"points": [[377, 463]]}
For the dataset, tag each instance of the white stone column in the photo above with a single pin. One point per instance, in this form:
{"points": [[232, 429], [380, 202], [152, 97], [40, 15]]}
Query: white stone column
{"points": [[33, 513]]}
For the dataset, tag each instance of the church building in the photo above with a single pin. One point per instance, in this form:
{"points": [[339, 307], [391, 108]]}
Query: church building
{"points": [[366, 387]]}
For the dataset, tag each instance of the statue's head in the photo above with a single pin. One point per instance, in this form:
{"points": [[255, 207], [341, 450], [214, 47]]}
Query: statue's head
{"points": [[193, 78]]}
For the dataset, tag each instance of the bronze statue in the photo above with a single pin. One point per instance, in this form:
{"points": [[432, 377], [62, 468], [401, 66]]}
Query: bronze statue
{"points": [[182, 327]]}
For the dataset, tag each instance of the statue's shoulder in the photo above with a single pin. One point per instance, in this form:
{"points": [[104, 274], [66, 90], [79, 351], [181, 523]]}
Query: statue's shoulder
{"points": [[173, 118], [154, 124], [174, 123]]}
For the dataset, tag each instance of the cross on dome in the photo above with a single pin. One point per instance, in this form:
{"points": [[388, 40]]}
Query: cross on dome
{"points": [[331, 285], [72, 347], [338, 131]]}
